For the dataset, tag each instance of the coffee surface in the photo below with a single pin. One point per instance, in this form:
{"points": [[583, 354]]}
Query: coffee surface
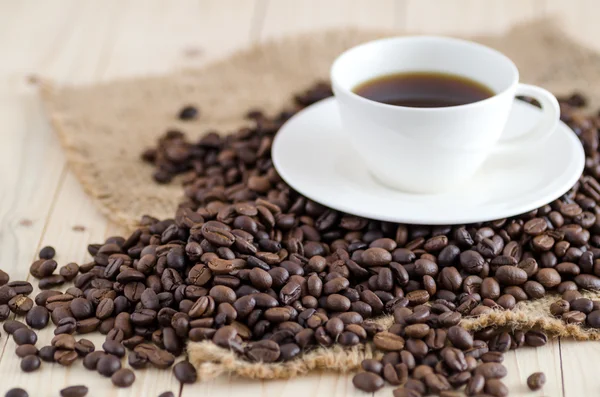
{"points": [[423, 90]]}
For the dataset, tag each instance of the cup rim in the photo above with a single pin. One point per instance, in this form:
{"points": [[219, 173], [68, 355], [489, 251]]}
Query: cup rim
{"points": [[337, 86]]}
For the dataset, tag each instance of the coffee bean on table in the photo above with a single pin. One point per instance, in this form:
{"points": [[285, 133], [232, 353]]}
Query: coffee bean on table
{"points": [[113, 347], [21, 287], [367, 381], [46, 353], [4, 277], [64, 342], [26, 350], [185, 372], [123, 377], [188, 113], [47, 252], [4, 312], [69, 271], [166, 394], [16, 392], [30, 363], [90, 361], [65, 357], [20, 305], [24, 336], [74, 391], [10, 326], [388, 341], [108, 364], [37, 317], [83, 347], [536, 380], [535, 338]]}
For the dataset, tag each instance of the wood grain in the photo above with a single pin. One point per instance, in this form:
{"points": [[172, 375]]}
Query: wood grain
{"points": [[82, 42]]}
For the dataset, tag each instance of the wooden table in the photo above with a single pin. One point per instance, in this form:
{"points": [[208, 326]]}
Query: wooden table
{"points": [[81, 41]]}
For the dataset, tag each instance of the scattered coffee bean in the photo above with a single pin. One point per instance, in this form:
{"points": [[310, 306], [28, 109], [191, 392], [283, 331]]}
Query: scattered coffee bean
{"points": [[368, 382], [47, 252], [123, 377], [108, 364], [536, 380], [30, 363], [185, 372], [24, 336], [188, 113], [37, 317], [46, 353], [16, 392], [26, 350], [74, 391]]}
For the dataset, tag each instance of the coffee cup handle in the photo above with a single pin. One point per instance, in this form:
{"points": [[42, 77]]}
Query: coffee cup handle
{"points": [[544, 128]]}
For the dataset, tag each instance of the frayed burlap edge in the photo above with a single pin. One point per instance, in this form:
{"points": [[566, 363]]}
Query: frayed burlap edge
{"points": [[212, 361]]}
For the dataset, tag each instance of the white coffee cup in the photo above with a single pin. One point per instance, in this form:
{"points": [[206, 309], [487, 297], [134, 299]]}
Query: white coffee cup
{"points": [[430, 150]]}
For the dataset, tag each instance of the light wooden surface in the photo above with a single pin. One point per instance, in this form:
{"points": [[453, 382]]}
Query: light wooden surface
{"points": [[84, 41]]}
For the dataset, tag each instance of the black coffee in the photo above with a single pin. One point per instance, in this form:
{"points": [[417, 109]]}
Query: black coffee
{"points": [[423, 90]]}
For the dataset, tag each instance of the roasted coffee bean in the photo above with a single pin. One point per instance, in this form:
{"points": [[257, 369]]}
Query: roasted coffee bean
{"points": [[185, 372], [20, 305], [460, 337], [548, 277], [74, 391], [21, 287], [535, 338], [65, 357], [23, 336], [511, 275], [367, 382], [496, 388], [16, 392], [491, 370], [536, 381], [26, 350], [156, 356], [123, 377], [113, 347], [388, 341], [30, 363], [83, 347], [37, 317], [90, 361], [372, 365], [64, 342], [4, 312], [46, 353], [108, 364]]}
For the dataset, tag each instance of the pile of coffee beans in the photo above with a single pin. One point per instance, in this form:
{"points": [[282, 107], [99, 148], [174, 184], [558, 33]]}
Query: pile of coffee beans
{"points": [[255, 267]]}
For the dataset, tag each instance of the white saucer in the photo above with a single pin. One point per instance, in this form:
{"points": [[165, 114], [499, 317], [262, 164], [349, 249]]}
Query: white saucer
{"points": [[312, 154]]}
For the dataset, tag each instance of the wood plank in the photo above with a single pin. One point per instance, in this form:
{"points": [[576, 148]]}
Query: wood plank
{"points": [[468, 16], [578, 18], [94, 33], [580, 368], [284, 17]]}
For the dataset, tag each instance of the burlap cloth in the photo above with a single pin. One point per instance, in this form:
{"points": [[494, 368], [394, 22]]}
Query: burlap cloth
{"points": [[103, 129]]}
